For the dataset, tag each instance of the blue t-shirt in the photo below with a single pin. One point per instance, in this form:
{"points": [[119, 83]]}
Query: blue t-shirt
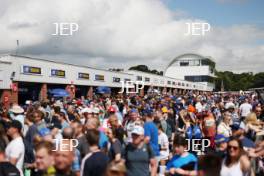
{"points": [[103, 139], [152, 131], [188, 162]]}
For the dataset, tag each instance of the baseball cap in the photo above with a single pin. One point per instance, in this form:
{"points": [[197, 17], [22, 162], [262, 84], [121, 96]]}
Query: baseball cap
{"points": [[44, 132], [164, 109], [15, 124], [220, 139], [133, 110], [138, 130], [111, 109]]}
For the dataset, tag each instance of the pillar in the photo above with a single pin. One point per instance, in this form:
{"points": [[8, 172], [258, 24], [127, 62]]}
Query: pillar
{"points": [[44, 92]]}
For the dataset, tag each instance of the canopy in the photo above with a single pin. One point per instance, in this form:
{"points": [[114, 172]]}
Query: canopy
{"points": [[59, 93], [103, 90]]}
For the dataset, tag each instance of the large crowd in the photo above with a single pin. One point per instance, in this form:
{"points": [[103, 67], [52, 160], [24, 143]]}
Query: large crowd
{"points": [[206, 134]]}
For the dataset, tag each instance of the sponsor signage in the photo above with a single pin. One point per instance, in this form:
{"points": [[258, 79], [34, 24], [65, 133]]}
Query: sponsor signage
{"points": [[99, 77], [31, 70], [58, 73], [83, 76]]}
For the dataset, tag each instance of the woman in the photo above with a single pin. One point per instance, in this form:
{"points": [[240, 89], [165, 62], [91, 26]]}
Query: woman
{"points": [[224, 126], [115, 147], [164, 148], [236, 162], [183, 162]]}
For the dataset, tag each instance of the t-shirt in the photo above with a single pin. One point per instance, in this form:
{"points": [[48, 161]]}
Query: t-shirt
{"points": [[164, 143], [245, 109], [152, 131], [95, 164], [8, 169], [103, 139], [16, 149], [188, 162], [138, 160], [115, 148], [129, 128]]}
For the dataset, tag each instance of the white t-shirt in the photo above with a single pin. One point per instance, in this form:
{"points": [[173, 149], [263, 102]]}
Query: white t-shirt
{"points": [[164, 143], [129, 128], [16, 149], [245, 109]]}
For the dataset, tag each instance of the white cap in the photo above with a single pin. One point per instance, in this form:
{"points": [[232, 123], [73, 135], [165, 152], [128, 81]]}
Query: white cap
{"points": [[88, 110], [138, 130], [95, 110]]}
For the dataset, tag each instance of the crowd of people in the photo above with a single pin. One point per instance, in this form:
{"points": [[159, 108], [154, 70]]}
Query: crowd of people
{"points": [[206, 134]]}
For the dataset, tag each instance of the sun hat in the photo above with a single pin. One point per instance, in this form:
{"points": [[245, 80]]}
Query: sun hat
{"points": [[17, 109], [86, 110]]}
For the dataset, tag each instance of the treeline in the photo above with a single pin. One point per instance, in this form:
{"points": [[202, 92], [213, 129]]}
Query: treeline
{"points": [[145, 68], [235, 82]]}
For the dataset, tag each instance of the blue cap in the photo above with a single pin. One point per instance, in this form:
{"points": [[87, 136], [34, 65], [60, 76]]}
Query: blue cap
{"points": [[147, 112], [133, 110], [220, 139], [44, 132]]}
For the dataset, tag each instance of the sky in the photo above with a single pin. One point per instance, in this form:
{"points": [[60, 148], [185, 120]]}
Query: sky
{"points": [[125, 33]]}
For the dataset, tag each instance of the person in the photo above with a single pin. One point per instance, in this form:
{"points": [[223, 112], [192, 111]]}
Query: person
{"points": [[236, 162], [63, 121], [64, 158], [44, 161], [113, 120], [164, 149], [224, 126], [68, 133], [139, 156], [221, 145], [15, 150], [183, 162], [38, 119], [28, 140], [83, 146], [115, 148], [116, 169], [244, 109], [259, 113], [6, 168], [95, 162], [151, 132], [93, 123], [209, 165], [17, 114]]}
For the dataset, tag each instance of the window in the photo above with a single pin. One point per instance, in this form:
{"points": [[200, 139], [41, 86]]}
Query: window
{"points": [[184, 63], [139, 78], [115, 79], [99, 77], [147, 79], [169, 82]]}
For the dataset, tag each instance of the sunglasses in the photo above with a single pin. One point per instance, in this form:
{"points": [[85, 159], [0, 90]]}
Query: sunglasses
{"points": [[232, 147]]}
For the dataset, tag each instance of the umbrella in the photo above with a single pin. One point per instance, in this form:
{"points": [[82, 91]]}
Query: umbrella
{"points": [[59, 93], [103, 90]]}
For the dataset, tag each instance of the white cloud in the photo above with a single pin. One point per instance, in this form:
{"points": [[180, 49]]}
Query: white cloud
{"points": [[123, 31]]}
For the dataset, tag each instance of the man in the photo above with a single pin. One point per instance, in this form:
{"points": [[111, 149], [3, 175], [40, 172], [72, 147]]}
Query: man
{"points": [[83, 146], [93, 123], [38, 119], [259, 113], [129, 125], [139, 156], [245, 109], [15, 150], [221, 145], [95, 162], [6, 168], [63, 158], [44, 159], [113, 121], [151, 132]]}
